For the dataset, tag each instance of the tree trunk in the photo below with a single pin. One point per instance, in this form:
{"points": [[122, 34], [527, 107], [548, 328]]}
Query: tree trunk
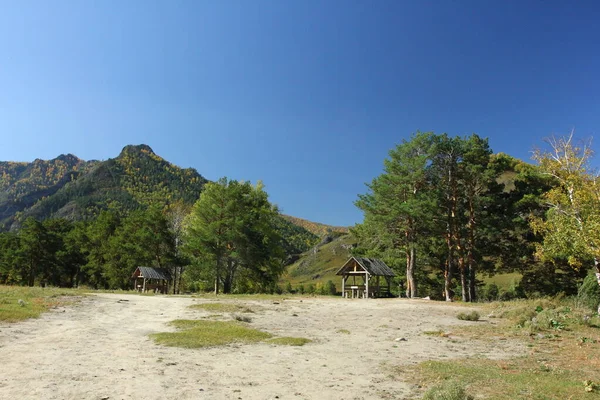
{"points": [[180, 279], [472, 282], [411, 290], [463, 279], [449, 269]]}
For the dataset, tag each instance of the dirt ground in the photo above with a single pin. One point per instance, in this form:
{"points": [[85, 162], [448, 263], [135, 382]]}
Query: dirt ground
{"points": [[99, 348]]}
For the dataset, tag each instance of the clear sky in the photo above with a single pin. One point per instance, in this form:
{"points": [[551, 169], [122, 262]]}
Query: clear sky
{"points": [[306, 95]]}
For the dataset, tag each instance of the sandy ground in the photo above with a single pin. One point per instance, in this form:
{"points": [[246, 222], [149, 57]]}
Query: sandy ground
{"points": [[99, 348]]}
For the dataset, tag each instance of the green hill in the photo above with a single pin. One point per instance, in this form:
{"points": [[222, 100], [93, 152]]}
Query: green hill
{"points": [[320, 263]]}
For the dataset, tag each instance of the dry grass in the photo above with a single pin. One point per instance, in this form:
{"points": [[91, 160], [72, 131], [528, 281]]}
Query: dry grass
{"points": [[222, 307], [563, 361], [290, 341]]}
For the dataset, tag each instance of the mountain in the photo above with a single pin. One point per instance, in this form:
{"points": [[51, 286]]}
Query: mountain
{"points": [[68, 187], [316, 228], [72, 188]]}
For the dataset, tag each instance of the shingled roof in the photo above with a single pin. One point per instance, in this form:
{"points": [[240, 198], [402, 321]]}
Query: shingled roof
{"points": [[373, 266], [152, 273]]}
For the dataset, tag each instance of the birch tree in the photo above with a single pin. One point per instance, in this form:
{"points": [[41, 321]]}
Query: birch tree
{"points": [[571, 227]]}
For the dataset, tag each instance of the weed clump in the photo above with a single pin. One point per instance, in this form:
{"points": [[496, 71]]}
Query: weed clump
{"points": [[448, 390], [472, 316]]}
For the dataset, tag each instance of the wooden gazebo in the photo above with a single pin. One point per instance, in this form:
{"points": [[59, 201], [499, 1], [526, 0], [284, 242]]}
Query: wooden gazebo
{"points": [[148, 279], [360, 272]]}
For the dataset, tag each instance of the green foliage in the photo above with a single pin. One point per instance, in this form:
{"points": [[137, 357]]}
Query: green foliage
{"points": [[328, 289], [571, 227], [589, 292], [490, 292], [288, 288], [232, 237]]}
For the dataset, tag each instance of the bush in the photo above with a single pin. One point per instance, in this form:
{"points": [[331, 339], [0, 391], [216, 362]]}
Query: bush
{"points": [[311, 289], [288, 288], [300, 289], [448, 390], [490, 292], [588, 295], [329, 288], [472, 316]]}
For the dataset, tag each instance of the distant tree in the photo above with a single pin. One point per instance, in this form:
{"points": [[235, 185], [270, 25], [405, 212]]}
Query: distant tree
{"points": [[34, 249]]}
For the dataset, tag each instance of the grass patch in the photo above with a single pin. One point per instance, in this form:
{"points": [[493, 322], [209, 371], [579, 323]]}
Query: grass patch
{"points": [[344, 331], [471, 316], [18, 303], [439, 332], [222, 307], [449, 390], [202, 333], [562, 360], [290, 341]]}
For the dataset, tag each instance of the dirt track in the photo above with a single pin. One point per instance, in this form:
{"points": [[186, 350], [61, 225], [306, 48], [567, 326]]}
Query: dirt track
{"points": [[99, 349]]}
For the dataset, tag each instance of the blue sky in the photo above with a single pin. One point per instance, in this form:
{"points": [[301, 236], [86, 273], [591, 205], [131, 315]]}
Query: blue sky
{"points": [[308, 96]]}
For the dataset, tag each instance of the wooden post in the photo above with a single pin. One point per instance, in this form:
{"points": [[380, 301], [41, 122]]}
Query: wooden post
{"points": [[367, 284], [343, 286], [144, 286]]}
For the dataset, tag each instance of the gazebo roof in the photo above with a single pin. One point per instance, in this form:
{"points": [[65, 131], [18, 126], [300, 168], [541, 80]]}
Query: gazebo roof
{"points": [[373, 266], [152, 273]]}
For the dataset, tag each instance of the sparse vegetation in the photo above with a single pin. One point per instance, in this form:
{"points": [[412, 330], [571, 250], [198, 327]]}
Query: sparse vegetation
{"points": [[470, 316], [344, 331], [202, 333], [447, 390], [222, 307], [20, 303], [563, 352], [290, 341]]}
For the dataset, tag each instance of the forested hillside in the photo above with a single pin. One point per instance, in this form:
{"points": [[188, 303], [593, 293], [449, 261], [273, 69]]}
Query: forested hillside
{"points": [[316, 228], [71, 222], [68, 187]]}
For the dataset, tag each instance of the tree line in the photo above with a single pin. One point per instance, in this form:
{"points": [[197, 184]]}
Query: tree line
{"points": [[450, 210], [229, 238]]}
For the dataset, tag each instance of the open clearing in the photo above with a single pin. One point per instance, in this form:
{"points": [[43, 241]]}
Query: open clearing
{"points": [[99, 348]]}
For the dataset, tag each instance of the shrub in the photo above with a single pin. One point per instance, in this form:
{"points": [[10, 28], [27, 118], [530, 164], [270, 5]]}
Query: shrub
{"points": [[490, 292], [448, 390], [311, 289], [301, 289], [588, 295], [472, 316], [288, 288], [329, 288]]}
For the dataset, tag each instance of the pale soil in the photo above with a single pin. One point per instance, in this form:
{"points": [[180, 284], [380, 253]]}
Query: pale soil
{"points": [[99, 348]]}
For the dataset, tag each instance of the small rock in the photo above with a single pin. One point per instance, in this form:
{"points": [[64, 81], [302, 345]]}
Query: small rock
{"points": [[401, 339]]}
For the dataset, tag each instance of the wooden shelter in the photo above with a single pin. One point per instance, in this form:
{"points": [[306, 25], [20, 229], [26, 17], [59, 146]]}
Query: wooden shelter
{"points": [[146, 279], [365, 275]]}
